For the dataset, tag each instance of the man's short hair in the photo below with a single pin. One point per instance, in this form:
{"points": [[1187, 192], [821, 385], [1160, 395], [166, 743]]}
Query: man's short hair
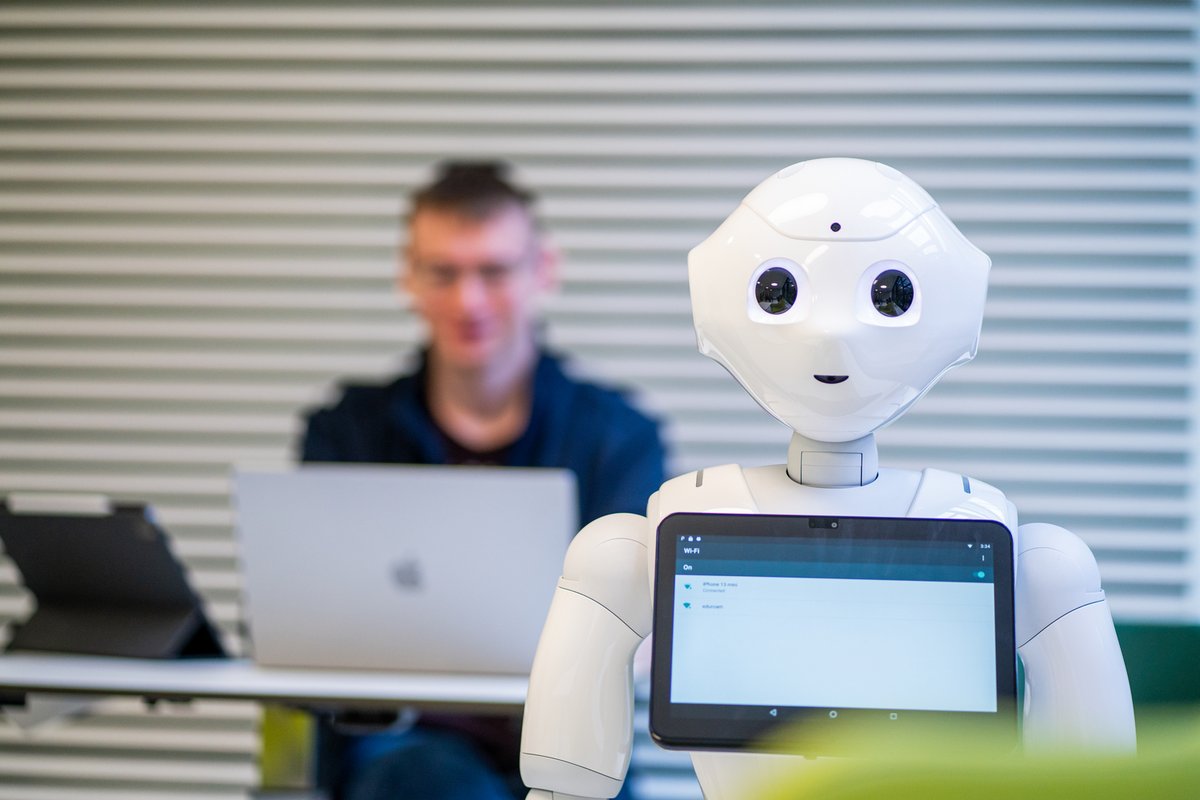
{"points": [[473, 189]]}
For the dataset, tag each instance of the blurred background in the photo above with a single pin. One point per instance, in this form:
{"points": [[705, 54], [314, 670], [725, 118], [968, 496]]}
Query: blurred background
{"points": [[199, 223]]}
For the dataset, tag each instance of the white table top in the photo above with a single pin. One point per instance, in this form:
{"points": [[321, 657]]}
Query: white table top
{"points": [[239, 679]]}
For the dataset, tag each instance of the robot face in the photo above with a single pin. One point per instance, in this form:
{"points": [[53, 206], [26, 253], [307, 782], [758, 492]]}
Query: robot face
{"points": [[837, 294]]}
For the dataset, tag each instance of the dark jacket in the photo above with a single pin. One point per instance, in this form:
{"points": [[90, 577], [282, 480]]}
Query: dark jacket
{"points": [[615, 451]]}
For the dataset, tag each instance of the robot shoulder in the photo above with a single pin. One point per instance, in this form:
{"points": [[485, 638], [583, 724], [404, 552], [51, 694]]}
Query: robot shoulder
{"points": [[942, 494], [721, 488]]}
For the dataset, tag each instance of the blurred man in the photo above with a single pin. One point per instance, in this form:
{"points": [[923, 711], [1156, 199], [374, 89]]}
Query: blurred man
{"points": [[484, 392]]}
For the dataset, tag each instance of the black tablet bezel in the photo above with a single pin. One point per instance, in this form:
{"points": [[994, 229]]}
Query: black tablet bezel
{"points": [[814, 731], [106, 583]]}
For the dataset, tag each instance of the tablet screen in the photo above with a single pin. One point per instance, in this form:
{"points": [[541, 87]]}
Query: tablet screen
{"points": [[846, 623]]}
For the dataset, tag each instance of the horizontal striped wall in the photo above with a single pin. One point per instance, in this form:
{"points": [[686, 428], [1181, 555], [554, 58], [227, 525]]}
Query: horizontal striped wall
{"points": [[198, 226]]}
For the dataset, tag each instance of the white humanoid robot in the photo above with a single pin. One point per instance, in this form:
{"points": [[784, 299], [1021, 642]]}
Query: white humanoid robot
{"points": [[837, 294]]}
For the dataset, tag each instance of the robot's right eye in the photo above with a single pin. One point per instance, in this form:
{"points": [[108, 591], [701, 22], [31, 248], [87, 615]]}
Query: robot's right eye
{"points": [[776, 290], [889, 294], [892, 293]]}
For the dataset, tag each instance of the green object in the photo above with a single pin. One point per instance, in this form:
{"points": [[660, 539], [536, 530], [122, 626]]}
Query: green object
{"points": [[1163, 662], [952, 767], [288, 750]]}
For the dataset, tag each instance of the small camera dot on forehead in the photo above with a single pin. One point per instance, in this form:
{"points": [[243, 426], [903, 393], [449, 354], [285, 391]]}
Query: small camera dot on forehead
{"points": [[835, 227]]}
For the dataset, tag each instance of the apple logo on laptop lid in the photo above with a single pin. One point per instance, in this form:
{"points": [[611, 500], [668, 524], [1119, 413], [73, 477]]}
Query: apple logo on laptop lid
{"points": [[407, 574]]}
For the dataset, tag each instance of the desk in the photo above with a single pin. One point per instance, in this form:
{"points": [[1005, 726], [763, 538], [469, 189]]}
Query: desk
{"points": [[239, 679]]}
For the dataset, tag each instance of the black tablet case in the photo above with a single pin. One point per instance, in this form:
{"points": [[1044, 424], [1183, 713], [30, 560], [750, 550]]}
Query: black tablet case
{"points": [[105, 585]]}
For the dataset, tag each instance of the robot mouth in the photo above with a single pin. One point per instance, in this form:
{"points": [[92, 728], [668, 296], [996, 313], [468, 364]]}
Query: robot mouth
{"points": [[832, 378]]}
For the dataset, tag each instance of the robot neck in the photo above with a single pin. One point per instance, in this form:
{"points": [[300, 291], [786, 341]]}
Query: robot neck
{"points": [[833, 464]]}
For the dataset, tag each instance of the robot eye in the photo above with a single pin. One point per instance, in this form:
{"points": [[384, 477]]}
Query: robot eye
{"points": [[892, 293], [776, 290]]}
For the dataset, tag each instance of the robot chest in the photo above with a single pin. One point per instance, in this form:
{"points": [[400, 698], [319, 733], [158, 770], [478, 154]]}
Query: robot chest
{"points": [[895, 493]]}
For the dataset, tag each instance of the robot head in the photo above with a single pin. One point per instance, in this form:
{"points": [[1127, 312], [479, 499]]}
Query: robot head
{"points": [[837, 294]]}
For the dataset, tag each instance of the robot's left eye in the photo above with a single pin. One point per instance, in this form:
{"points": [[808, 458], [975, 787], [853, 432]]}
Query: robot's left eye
{"points": [[892, 293], [776, 290]]}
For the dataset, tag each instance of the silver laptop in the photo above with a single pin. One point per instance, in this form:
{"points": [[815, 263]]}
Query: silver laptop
{"points": [[401, 567]]}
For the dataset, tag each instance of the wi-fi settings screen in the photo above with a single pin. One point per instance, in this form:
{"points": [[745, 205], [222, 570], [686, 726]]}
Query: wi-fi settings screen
{"points": [[829, 624]]}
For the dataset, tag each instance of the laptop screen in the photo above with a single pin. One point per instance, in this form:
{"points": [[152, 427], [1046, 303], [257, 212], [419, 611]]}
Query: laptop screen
{"points": [[828, 625], [401, 567]]}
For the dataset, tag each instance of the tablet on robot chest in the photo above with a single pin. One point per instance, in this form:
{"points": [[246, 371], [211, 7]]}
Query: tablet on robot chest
{"points": [[819, 633]]}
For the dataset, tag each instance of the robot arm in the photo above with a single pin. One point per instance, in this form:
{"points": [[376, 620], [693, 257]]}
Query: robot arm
{"points": [[577, 735], [1076, 688]]}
